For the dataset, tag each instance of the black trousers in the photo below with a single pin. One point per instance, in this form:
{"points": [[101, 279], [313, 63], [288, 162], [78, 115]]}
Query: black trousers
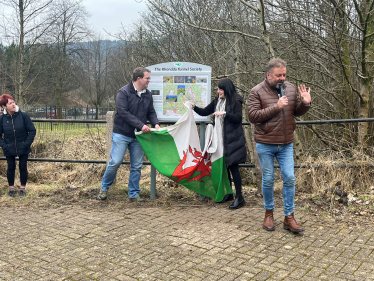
{"points": [[235, 176], [12, 169]]}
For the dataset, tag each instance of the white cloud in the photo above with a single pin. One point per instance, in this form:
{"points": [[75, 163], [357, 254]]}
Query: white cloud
{"points": [[109, 14]]}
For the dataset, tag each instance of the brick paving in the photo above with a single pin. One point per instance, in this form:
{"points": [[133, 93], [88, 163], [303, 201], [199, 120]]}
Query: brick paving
{"points": [[192, 243]]}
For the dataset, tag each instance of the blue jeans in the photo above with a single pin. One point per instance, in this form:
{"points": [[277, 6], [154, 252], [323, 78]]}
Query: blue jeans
{"points": [[284, 156], [120, 143]]}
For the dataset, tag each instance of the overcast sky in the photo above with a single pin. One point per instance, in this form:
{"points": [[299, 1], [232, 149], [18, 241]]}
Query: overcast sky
{"points": [[108, 14]]}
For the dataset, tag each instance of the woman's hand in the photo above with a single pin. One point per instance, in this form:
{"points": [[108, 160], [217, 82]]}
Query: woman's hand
{"points": [[219, 113]]}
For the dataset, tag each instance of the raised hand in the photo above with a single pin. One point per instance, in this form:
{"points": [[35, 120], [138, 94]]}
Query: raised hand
{"points": [[305, 95]]}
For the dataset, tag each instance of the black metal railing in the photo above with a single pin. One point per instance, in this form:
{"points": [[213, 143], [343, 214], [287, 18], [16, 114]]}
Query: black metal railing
{"points": [[92, 123], [66, 112]]}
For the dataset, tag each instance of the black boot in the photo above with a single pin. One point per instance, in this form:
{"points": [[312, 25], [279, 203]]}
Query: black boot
{"points": [[228, 197], [239, 202]]}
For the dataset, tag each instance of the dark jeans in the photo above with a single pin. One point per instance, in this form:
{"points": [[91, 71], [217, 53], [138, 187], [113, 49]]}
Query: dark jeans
{"points": [[235, 176], [12, 169]]}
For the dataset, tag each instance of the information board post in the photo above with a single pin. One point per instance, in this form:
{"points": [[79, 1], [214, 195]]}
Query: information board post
{"points": [[153, 182], [202, 144]]}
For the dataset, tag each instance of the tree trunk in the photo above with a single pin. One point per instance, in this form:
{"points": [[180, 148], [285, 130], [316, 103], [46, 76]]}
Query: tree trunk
{"points": [[20, 94], [363, 113]]}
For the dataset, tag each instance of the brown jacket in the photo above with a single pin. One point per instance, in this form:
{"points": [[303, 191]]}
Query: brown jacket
{"points": [[274, 125]]}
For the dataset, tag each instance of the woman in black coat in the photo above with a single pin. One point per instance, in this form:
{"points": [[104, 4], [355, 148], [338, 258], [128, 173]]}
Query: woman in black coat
{"points": [[228, 107], [17, 132]]}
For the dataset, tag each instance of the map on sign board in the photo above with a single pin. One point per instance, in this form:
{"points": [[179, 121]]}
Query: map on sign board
{"points": [[172, 84], [177, 94]]}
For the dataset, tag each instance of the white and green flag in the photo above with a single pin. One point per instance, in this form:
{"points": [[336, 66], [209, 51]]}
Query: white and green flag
{"points": [[175, 152]]}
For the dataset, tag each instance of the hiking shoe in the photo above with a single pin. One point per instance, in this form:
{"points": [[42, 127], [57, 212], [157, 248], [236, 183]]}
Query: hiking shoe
{"points": [[103, 194], [22, 193], [137, 200], [11, 193]]}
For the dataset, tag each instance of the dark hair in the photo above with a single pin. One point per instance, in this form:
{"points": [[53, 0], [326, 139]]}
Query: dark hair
{"points": [[139, 72], [229, 89], [275, 63], [4, 99]]}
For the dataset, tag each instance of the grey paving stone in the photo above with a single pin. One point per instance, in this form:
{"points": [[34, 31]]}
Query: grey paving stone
{"points": [[177, 244]]}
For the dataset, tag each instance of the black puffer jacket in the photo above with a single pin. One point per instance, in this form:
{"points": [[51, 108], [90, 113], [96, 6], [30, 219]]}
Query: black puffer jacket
{"points": [[233, 136], [17, 133], [133, 111]]}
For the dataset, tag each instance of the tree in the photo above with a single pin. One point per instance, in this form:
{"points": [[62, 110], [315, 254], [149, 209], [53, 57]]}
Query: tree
{"points": [[69, 28], [333, 44], [95, 65], [26, 27]]}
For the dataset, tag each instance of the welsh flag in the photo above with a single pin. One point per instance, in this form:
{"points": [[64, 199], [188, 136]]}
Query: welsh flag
{"points": [[175, 152]]}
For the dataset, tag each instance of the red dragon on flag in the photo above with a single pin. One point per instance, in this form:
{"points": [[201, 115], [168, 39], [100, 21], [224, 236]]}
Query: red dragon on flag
{"points": [[203, 165]]}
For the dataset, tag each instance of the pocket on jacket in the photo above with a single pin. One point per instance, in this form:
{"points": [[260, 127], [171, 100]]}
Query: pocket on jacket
{"points": [[21, 147], [262, 128]]}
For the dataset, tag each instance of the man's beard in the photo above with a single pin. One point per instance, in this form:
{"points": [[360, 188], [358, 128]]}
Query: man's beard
{"points": [[275, 84], [278, 86]]}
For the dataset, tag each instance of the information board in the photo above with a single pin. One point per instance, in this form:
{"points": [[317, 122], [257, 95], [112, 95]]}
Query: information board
{"points": [[173, 83]]}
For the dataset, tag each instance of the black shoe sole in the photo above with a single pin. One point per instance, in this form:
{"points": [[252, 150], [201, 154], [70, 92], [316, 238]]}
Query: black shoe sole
{"points": [[268, 229], [294, 231]]}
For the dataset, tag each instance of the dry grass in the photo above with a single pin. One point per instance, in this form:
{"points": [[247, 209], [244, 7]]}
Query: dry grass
{"points": [[69, 182], [352, 173], [64, 183]]}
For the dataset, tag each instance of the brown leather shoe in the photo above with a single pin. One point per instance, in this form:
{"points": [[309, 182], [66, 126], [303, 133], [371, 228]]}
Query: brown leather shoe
{"points": [[269, 221], [291, 224]]}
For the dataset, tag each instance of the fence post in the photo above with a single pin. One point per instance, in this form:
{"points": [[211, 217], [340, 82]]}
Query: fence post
{"points": [[109, 131], [202, 144], [153, 182]]}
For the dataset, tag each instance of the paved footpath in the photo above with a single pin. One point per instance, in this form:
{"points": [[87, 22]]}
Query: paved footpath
{"points": [[193, 243]]}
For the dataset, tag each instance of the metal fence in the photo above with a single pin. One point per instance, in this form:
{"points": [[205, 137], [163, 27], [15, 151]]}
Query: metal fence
{"points": [[58, 124], [67, 112], [153, 170], [48, 124]]}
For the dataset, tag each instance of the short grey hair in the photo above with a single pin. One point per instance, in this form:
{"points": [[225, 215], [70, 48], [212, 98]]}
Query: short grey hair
{"points": [[139, 73], [275, 63]]}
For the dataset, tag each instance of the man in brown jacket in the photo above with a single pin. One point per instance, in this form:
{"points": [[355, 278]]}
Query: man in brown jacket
{"points": [[272, 106]]}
